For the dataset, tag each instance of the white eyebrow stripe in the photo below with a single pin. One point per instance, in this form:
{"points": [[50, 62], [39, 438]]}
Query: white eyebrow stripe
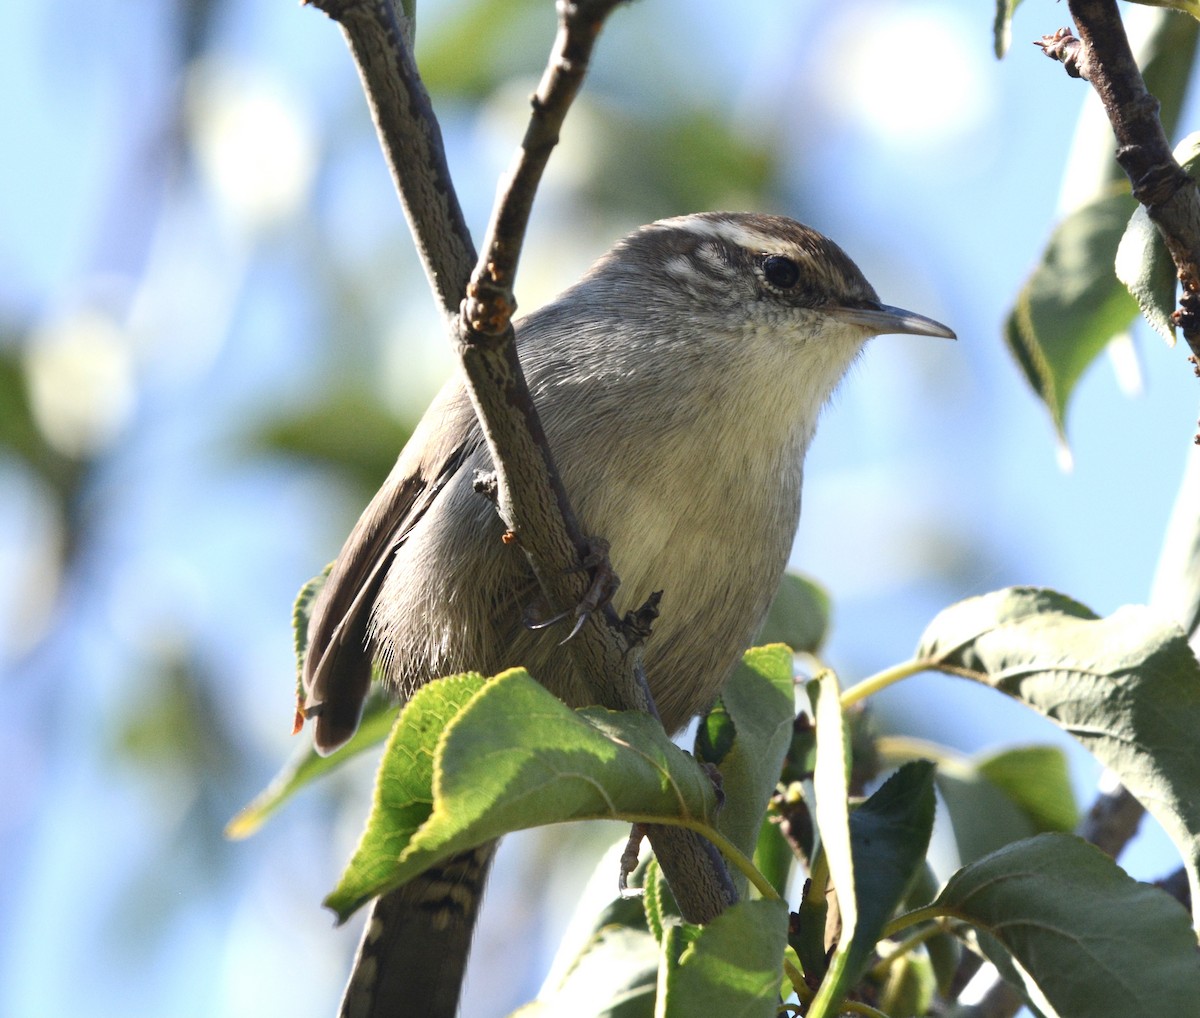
{"points": [[735, 233]]}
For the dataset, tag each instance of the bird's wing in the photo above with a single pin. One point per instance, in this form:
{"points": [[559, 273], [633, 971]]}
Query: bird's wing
{"points": [[337, 664]]}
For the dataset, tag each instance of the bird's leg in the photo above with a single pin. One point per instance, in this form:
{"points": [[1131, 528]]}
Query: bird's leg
{"points": [[603, 586], [629, 861]]}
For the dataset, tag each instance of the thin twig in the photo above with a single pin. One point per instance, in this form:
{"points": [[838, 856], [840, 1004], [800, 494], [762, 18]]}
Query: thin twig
{"points": [[378, 37], [530, 496], [490, 299], [1103, 57]]}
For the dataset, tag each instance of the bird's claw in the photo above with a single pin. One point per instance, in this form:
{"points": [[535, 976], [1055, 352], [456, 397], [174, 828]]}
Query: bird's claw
{"points": [[599, 593]]}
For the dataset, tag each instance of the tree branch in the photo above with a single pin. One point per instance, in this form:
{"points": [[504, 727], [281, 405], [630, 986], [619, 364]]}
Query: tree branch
{"points": [[1102, 56], [378, 37], [529, 492], [1112, 821], [1176, 885], [530, 495]]}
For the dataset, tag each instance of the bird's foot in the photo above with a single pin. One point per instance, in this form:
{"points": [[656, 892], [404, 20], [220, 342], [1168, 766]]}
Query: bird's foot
{"points": [[629, 861], [599, 594]]}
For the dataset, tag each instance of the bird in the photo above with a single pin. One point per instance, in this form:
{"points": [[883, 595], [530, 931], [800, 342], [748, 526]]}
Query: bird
{"points": [[679, 383]]}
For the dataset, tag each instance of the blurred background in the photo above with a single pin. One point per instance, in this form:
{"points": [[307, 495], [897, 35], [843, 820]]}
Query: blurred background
{"points": [[214, 335]]}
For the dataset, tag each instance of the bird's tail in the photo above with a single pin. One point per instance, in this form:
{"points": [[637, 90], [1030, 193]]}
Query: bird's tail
{"points": [[413, 953]]}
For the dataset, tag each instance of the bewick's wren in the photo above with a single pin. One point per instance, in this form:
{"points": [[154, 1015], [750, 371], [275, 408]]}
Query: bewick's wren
{"points": [[679, 383]]}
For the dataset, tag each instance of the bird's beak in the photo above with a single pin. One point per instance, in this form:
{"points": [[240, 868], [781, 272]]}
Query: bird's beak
{"points": [[883, 320]]}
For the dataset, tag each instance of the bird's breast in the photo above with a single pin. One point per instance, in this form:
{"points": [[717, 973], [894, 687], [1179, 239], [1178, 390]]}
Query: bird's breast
{"points": [[712, 532]]}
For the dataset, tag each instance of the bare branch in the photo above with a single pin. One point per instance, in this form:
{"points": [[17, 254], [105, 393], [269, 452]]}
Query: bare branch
{"points": [[1103, 57], [1176, 885], [491, 303], [412, 140], [1112, 821], [530, 496]]}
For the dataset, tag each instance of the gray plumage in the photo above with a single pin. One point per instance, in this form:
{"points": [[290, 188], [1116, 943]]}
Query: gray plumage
{"points": [[679, 383]]}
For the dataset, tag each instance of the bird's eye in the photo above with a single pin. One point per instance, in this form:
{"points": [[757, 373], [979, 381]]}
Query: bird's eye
{"points": [[781, 272]]}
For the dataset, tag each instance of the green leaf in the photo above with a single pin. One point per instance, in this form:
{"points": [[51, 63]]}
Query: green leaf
{"points": [[613, 975], [1036, 779], [1191, 7], [732, 967], [1143, 263], [808, 935], [816, 928], [982, 816], [1072, 304], [1002, 26], [1127, 687], [349, 429], [889, 835], [950, 639], [799, 615], [301, 613], [306, 766], [888, 838], [758, 705], [404, 796], [1092, 940], [773, 856], [1146, 269], [910, 986], [997, 799], [715, 735], [470, 760], [944, 949], [660, 910], [832, 815]]}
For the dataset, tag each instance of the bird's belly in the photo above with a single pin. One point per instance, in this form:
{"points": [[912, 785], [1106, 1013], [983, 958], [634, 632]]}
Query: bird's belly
{"points": [[717, 577]]}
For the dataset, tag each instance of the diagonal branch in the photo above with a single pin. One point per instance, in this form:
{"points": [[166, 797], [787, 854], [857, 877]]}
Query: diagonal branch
{"points": [[530, 495], [529, 492], [378, 36], [1172, 199]]}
